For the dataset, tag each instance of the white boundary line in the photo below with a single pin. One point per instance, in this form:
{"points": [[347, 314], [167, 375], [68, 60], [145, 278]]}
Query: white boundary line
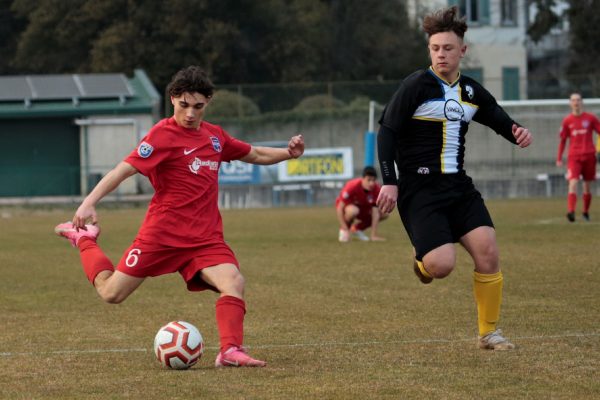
{"points": [[295, 345]]}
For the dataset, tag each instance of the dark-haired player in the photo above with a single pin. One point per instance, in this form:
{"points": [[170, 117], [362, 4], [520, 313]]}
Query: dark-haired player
{"points": [[182, 231], [422, 130], [578, 128], [356, 209]]}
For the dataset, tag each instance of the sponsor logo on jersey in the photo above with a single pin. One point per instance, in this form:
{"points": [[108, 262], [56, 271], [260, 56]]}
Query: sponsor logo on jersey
{"points": [[198, 163], [145, 149], [216, 144], [453, 111], [470, 91], [423, 171]]}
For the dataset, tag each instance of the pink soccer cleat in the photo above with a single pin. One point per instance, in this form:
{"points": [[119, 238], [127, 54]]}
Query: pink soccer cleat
{"points": [[237, 357], [68, 231]]}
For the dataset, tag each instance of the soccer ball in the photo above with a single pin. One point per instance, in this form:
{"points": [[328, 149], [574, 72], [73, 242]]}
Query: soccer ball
{"points": [[178, 345]]}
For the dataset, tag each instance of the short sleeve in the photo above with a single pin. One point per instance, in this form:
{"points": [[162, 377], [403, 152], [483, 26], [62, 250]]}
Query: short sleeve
{"points": [[149, 153], [234, 149]]}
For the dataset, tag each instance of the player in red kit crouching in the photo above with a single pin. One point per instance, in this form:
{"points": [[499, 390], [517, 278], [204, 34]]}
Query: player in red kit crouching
{"points": [[578, 127], [182, 231], [356, 209]]}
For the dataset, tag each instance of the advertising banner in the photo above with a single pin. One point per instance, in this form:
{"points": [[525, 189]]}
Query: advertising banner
{"points": [[333, 163], [238, 172]]}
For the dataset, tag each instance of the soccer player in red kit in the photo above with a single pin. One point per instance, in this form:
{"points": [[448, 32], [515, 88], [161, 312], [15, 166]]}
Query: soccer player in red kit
{"points": [[182, 231], [578, 127], [356, 209]]}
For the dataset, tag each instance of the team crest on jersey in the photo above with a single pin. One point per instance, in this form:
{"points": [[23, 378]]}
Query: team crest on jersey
{"points": [[585, 123], [423, 171], [453, 111], [145, 149], [470, 92], [216, 144]]}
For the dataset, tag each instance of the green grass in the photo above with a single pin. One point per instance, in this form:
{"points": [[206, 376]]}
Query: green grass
{"points": [[334, 321]]}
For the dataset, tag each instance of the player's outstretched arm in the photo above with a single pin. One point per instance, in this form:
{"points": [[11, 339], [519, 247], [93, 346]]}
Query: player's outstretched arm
{"points": [[272, 155], [87, 209], [522, 135]]}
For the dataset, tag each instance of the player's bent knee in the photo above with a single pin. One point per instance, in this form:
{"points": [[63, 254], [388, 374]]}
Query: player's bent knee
{"points": [[235, 285], [112, 297], [440, 270]]}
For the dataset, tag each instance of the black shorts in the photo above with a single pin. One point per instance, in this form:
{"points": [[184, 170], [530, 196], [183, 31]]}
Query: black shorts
{"points": [[440, 208]]}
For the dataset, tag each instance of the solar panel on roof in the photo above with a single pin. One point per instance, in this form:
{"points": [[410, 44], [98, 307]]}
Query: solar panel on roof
{"points": [[49, 87], [14, 88], [64, 87], [104, 85]]}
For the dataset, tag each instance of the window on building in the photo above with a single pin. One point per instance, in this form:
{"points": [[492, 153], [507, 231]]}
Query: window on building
{"points": [[508, 12], [474, 73], [510, 83], [476, 11]]}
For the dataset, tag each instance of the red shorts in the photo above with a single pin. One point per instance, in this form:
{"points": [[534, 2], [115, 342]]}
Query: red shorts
{"points": [[363, 217], [583, 166], [143, 259]]}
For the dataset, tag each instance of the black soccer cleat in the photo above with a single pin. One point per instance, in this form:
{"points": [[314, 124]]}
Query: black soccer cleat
{"points": [[586, 216], [424, 279], [571, 216]]}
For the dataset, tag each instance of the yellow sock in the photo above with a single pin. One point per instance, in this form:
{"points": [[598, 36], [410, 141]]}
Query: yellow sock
{"points": [[487, 289], [422, 269]]}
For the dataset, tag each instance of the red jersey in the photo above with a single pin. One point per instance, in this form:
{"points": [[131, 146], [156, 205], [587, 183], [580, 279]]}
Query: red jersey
{"points": [[354, 193], [578, 129], [183, 167]]}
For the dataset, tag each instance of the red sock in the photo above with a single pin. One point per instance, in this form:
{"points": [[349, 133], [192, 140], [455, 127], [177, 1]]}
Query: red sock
{"points": [[571, 202], [230, 321], [587, 200], [93, 259]]}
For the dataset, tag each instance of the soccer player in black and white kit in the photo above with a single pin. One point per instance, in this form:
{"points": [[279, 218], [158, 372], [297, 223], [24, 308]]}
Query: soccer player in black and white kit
{"points": [[422, 130]]}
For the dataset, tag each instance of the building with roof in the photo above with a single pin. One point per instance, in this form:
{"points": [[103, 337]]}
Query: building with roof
{"points": [[496, 40], [59, 134]]}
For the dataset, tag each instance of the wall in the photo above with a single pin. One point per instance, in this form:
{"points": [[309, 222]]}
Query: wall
{"points": [[107, 141]]}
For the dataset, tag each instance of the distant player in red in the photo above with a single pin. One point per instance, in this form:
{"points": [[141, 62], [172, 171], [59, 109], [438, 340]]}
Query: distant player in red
{"points": [[356, 209], [182, 231], [578, 127]]}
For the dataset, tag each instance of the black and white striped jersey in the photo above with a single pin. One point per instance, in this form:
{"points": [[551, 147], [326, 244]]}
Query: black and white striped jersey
{"points": [[426, 121]]}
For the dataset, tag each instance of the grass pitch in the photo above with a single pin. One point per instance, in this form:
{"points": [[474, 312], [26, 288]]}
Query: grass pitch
{"points": [[334, 321]]}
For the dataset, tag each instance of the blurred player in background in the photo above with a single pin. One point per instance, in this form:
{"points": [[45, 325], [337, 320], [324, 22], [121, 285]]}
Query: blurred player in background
{"points": [[356, 209], [578, 128], [422, 130], [182, 231]]}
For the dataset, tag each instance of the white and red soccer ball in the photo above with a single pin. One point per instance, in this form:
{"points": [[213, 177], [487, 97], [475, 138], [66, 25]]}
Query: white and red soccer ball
{"points": [[178, 345]]}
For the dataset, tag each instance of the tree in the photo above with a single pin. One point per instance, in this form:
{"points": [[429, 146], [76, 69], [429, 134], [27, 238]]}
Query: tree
{"points": [[545, 19], [10, 26], [584, 40], [236, 41], [371, 40]]}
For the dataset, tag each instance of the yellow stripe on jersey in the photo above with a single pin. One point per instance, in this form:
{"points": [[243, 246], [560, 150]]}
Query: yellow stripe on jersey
{"points": [[429, 119], [444, 138]]}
